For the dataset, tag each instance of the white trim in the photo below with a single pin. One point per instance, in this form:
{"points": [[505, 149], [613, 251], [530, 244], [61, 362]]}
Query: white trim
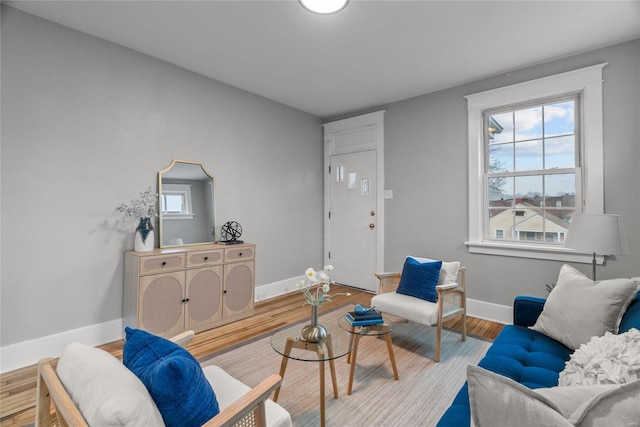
{"points": [[375, 121], [26, 353], [275, 289], [588, 82], [554, 253], [489, 311]]}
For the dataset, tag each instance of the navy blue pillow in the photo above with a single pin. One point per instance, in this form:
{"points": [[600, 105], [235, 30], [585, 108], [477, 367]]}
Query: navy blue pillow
{"points": [[173, 377], [420, 279]]}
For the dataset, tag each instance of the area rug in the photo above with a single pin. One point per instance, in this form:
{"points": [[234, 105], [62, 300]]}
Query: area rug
{"points": [[423, 393]]}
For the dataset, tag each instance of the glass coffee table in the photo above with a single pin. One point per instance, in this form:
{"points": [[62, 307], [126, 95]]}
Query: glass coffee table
{"points": [[290, 345], [358, 332]]}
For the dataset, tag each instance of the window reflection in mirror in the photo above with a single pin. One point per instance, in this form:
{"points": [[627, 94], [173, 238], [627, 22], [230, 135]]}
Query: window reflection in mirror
{"points": [[186, 204]]}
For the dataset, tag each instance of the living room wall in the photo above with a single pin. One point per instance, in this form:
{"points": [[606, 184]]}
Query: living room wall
{"points": [[426, 167], [86, 125]]}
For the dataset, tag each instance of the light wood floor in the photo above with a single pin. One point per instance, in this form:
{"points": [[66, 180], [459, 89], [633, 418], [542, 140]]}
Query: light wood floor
{"points": [[18, 388]]}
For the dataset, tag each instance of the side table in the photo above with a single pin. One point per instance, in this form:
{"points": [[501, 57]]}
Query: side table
{"points": [[358, 332], [290, 345]]}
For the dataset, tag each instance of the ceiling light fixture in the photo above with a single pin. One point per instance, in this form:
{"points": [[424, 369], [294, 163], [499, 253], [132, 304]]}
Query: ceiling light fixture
{"points": [[324, 7]]}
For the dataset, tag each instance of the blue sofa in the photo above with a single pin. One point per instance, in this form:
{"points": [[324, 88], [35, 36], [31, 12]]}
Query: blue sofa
{"points": [[525, 356]]}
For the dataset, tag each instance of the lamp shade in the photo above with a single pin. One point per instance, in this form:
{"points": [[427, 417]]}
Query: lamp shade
{"points": [[324, 7], [601, 234]]}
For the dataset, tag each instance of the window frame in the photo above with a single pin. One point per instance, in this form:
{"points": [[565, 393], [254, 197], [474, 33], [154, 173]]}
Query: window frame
{"points": [[182, 189], [587, 83]]}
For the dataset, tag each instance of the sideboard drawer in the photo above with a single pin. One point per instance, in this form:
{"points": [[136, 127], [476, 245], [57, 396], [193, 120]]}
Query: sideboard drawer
{"points": [[160, 263], [204, 258], [239, 254]]}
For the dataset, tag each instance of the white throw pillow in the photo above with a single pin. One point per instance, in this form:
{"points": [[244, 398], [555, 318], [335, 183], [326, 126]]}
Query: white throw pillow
{"points": [[497, 401], [104, 390], [611, 359], [448, 271], [579, 308]]}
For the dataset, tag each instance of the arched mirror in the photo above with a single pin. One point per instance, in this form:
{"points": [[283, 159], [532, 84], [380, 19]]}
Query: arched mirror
{"points": [[185, 190]]}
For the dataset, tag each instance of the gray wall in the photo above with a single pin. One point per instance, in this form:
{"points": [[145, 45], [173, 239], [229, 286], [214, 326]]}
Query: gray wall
{"points": [[426, 166], [86, 125]]}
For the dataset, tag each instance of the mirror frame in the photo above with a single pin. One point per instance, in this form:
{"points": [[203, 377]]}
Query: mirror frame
{"points": [[213, 214]]}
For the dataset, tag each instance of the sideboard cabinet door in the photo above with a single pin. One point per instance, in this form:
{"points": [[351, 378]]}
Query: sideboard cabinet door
{"points": [[204, 293], [238, 288], [161, 310]]}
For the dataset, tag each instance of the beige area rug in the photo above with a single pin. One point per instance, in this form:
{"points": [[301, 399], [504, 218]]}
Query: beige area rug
{"points": [[425, 389]]}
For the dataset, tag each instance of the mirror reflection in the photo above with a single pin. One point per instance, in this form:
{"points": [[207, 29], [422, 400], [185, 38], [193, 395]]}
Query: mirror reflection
{"points": [[186, 202]]}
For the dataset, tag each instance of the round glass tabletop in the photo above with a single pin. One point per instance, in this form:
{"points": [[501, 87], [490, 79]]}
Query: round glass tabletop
{"points": [[370, 330], [289, 343]]}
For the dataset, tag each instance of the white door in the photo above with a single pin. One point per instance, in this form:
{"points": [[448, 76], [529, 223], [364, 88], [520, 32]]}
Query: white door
{"points": [[353, 219]]}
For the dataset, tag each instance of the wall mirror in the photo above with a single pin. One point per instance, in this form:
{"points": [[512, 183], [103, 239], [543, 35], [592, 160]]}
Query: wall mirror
{"points": [[186, 201]]}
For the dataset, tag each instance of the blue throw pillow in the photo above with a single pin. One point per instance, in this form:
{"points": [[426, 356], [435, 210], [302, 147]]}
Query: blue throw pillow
{"points": [[173, 377], [420, 279]]}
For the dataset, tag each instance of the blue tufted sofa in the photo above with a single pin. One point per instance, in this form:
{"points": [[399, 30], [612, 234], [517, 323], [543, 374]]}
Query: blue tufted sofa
{"points": [[526, 356]]}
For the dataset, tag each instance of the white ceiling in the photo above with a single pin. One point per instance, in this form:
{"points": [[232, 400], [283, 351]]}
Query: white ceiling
{"points": [[371, 53]]}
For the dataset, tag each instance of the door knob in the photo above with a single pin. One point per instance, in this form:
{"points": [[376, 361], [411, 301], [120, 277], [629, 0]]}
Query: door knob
{"points": [[372, 226], [373, 213]]}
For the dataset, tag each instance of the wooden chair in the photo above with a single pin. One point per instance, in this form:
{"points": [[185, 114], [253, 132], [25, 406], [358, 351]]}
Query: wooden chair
{"points": [[452, 303], [54, 406]]}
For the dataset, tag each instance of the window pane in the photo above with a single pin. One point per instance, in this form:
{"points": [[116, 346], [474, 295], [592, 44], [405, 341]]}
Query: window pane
{"points": [[529, 155], [528, 124], [174, 203], [500, 128], [500, 191], [559, 119], [501, 223], [560, 188], [560, 152], [501, 158], [529, 190]]}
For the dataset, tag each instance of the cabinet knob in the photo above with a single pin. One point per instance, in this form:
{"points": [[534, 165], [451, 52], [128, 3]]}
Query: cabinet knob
{"points": [[224, 292], [240, 254], [206, 258], [164, 263]]}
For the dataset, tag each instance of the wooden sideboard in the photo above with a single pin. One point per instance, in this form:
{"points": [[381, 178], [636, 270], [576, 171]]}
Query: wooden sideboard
{"points": [[167, 291]]}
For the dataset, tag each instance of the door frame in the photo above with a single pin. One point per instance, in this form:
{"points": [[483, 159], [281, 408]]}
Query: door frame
{"points": [[374, 123]]}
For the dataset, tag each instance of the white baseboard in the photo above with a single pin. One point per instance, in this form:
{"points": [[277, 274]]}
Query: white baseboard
{"points": [[275, 289], [26, 353], [490, 311]]}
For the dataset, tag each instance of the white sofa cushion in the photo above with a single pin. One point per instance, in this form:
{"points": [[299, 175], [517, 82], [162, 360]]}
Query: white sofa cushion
{"points": [[229, 389], [104, 390], [497, 401], [579, 308], [414, 309]]}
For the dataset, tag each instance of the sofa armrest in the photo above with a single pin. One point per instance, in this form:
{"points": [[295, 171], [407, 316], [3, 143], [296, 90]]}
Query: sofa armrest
{"points": [[526, 310]]}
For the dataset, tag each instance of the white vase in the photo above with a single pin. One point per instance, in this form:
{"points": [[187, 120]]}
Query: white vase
{"points": [[144, 239]]}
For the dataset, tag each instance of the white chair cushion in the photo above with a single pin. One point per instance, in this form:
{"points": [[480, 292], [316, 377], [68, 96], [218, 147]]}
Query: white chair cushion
{"points": [[414, 309], [448, 271], [229, 389], [104, 390]]}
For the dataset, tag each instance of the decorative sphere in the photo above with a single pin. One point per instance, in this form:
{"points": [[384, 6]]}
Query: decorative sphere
{"points": [[231, 231]]}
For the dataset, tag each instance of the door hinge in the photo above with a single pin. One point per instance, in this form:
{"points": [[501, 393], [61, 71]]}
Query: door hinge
{"points": [[329, 214], [329, 169], [329, 254]]}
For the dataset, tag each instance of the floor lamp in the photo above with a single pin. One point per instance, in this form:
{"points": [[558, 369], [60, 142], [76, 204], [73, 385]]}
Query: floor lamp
{"points": [[601, 234]]}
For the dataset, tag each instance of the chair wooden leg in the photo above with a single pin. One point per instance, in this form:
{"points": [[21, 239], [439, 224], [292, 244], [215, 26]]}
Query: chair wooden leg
{"points": [[438, 337], [464, 326]]}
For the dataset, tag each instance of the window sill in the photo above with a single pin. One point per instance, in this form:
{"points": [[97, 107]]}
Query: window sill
{"points": [[178, 216], [553, 253]]}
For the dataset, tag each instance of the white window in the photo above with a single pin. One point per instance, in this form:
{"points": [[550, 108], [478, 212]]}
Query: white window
{"points": [[535, 159], [175, 202], [530, 165], [499, 233]]}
